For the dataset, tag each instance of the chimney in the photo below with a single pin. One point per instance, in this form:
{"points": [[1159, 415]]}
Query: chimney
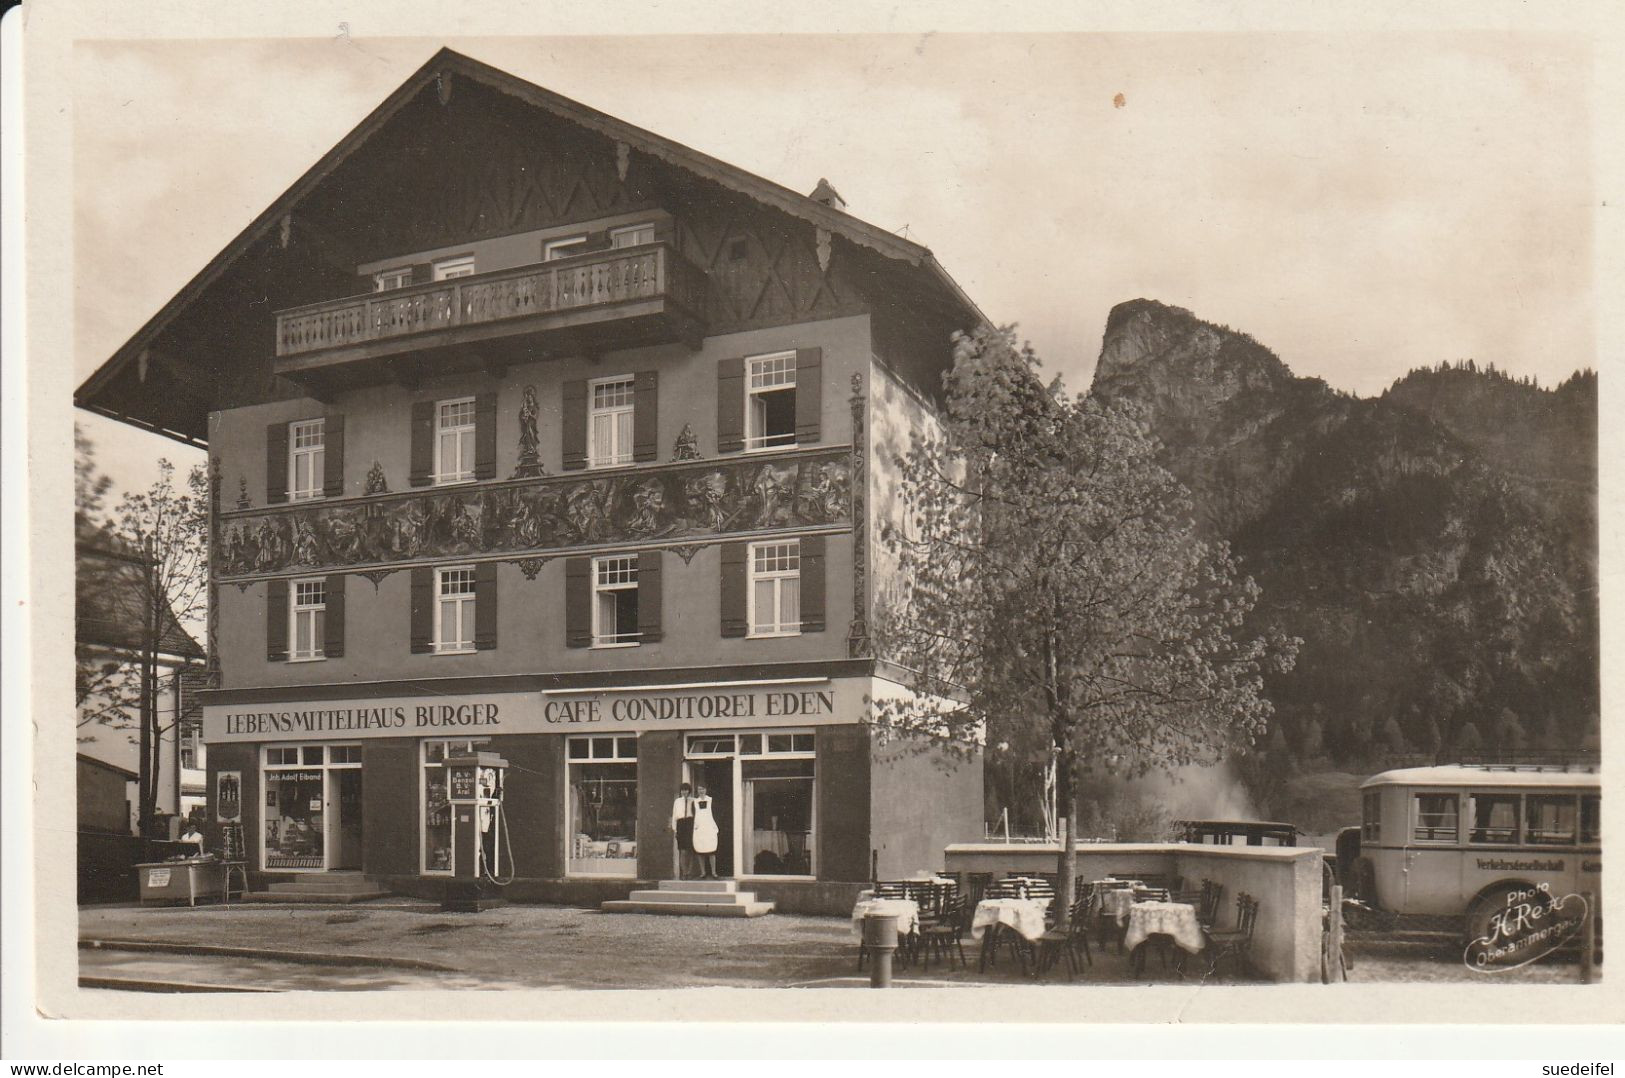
{"points": [[828, 195]]}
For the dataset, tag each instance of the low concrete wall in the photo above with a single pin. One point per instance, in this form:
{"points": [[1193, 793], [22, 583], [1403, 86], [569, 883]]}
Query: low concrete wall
{"points": [[1285, 880]]}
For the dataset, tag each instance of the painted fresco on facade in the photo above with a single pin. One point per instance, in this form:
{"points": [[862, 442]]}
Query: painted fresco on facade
{"points": [[807, 490]]}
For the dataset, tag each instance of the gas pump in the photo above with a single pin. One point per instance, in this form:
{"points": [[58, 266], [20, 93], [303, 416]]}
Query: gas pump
{"points": [[482, 853]]}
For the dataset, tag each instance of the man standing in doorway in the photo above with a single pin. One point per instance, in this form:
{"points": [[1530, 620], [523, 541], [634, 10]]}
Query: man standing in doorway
{"points": [[682, 822]]}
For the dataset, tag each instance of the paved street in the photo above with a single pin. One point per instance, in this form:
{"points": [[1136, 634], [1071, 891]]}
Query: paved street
{"points": [[518, 946], [405, 944]]}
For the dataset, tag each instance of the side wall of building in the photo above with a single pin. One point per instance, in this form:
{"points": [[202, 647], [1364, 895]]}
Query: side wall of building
{"points": [[926, 796]]}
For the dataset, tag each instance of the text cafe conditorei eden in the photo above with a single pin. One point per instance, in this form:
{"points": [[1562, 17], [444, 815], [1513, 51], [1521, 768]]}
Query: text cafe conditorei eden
{"points": [[803, 787]]}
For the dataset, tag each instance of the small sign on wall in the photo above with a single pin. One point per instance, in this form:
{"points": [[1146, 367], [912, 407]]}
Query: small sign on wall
{"points": [[228, 796]]}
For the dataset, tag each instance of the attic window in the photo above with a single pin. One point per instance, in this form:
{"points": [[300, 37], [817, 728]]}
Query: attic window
{"points": [[390, 279], [738, 250]]}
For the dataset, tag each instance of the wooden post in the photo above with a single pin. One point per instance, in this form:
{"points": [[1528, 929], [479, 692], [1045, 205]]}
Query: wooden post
{"points": [[1588, 940], [1339, 972]]}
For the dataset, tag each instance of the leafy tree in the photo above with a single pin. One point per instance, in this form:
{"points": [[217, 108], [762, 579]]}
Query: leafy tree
{"points": [[106, 691], [162, 535], [1053, 586], [1469, 741]]}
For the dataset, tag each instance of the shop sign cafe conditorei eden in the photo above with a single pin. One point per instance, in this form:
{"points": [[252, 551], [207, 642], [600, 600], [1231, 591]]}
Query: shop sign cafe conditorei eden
{"points": [[787, 702]]}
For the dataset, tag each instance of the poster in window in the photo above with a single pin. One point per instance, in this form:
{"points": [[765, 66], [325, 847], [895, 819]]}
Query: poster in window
{"points": [[228, 796]]}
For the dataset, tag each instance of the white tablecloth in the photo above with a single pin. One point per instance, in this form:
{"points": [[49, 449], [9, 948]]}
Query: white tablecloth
{"points": [[1176, 919], [906, 909], [1115, 904], [1025, 915]]}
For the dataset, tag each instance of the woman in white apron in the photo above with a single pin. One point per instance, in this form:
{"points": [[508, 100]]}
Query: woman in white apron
{"points": [[705, 834]]}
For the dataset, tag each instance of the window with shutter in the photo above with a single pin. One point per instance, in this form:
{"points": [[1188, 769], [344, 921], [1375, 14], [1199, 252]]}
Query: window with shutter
{"points": [[775, 588], [307, 636], [307, 451], [610, 421], [770, 406]]}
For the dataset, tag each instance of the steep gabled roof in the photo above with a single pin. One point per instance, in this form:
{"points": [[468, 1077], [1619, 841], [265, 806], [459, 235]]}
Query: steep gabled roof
{"points": [[440, 73], [110, 598]]}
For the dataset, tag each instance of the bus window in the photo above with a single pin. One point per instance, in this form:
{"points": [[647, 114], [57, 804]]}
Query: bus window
{"points": [[1436, 819], [1495, 818], [1549, 820], [1591, 819], [1371, 819]]}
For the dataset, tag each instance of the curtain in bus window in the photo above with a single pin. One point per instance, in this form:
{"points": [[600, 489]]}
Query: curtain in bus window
{"points": [[1549, 819], [1435, 818], [1495, 818]]}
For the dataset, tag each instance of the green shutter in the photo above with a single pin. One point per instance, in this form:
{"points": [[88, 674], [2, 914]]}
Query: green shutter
{"points": [[812, 584], [276, 620], [809, 393], [574, 423], [333, 617], [578, 602], [276, 463], [734, 618], [730, 405]]}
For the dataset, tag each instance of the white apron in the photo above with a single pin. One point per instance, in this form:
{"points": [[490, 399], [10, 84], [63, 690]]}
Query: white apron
{"points": [[705, 827]]}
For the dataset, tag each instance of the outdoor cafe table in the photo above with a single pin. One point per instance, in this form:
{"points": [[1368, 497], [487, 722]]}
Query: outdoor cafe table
{"points": [[1177, 920], [1116, 903], [1024, 916]]}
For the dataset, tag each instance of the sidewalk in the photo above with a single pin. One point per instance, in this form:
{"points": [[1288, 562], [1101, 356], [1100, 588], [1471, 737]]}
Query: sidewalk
{"points": [[548, 946]]}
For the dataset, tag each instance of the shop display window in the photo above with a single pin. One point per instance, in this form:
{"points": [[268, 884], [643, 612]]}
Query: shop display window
{"points": [[778, 806], [293, 819], [603, 806]]}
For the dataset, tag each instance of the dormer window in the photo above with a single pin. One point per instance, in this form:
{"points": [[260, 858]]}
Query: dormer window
{"points": [[564, 248], [390, 279], [632, 235], [448, 268]]}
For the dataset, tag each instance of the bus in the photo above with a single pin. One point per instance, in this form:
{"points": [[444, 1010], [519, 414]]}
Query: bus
{"points": [[1456, 840]]}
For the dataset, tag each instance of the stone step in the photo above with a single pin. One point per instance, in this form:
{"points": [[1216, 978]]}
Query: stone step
{"points": [[708, 897], [692, 909], [312, 897], [728, 886], [324, 884]]}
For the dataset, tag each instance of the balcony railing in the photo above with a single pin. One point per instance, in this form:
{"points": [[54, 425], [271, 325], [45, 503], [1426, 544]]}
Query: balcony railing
{"points": [[617, 283]]}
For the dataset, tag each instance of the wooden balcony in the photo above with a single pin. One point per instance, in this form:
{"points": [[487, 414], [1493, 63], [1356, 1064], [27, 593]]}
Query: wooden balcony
{"points": [[587, 303]]}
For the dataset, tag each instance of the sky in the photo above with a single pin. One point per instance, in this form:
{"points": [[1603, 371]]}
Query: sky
{"points": [[1362, 204]]}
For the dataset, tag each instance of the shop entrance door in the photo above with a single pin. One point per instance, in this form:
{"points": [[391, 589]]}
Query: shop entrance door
{"points": [[347, 845], [717, 776]]}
